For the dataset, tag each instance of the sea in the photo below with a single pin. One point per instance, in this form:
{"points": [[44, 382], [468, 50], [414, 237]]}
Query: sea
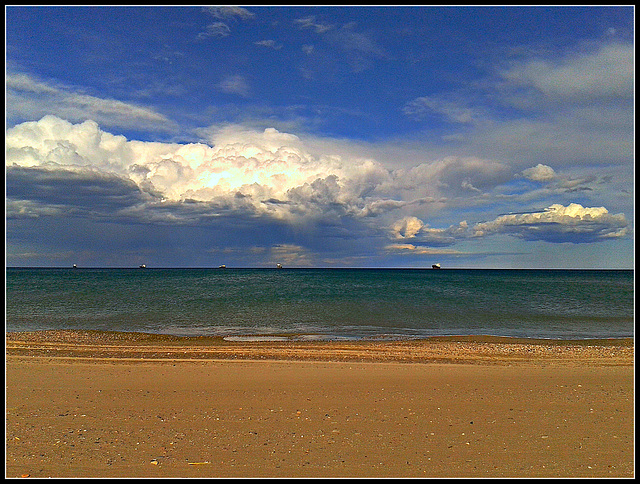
{"points": [[324, 304]]}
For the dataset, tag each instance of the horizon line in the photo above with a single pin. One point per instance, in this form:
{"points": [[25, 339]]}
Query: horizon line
{"points": [[327, 268]]}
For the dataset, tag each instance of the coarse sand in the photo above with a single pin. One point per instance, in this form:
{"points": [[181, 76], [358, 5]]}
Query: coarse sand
{"points": [[88, 404]]}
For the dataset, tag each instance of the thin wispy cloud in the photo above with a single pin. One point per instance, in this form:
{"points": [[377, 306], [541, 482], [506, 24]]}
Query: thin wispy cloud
{"points": [[215, 30], [272, 44], [221, 29], [228, 12], [28, 97], [235, 85], [452, 111], [357, 48], [605, 73], [311, 23]]}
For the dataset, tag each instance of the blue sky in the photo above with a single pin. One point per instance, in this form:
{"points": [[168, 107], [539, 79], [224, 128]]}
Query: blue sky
{"points": [[320, 136]]}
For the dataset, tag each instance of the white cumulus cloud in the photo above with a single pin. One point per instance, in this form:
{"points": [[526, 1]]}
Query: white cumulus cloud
{"points": [[266, 172], [272, 174], [414, 228], [557, 223], [539, 172], [407, 227]]}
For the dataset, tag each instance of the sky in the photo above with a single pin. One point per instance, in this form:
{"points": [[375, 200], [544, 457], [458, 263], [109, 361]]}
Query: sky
{"points": [[473, 137]]}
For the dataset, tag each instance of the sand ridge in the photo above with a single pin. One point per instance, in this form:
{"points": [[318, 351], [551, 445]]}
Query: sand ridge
{"points": [[468, 349]]}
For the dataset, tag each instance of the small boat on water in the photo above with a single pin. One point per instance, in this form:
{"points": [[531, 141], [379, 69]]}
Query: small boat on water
{"points": [[75, 266], [222, 266], [278, 266], [143, 266], [435, 266]]}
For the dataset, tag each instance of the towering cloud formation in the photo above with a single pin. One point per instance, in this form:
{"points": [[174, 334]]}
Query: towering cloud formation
{"points": [[267, 173], [54, 166]]}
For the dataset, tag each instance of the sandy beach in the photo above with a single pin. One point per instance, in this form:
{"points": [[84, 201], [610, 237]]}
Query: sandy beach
{"points": [[90, 404]]}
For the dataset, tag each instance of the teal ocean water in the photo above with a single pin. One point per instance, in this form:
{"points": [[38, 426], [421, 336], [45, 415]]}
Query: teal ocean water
{"points": [[324, 303]]}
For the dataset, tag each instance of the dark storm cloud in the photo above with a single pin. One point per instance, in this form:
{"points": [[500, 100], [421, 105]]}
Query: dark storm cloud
{"points": [[78, 190]]}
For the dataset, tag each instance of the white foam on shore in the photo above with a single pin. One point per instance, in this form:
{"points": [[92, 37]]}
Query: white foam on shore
{"points": [[324, 337], [256, 338], [298, 337]]}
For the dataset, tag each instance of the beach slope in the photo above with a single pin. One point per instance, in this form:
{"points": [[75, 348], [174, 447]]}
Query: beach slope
{"points": [[86, 404]]}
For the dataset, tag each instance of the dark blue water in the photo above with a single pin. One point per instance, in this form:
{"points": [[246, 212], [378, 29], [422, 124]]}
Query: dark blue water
{"points": [[325, 303]]}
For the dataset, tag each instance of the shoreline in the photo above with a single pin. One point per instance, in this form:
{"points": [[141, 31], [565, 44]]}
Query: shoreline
{"points": [[478, 349]]}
